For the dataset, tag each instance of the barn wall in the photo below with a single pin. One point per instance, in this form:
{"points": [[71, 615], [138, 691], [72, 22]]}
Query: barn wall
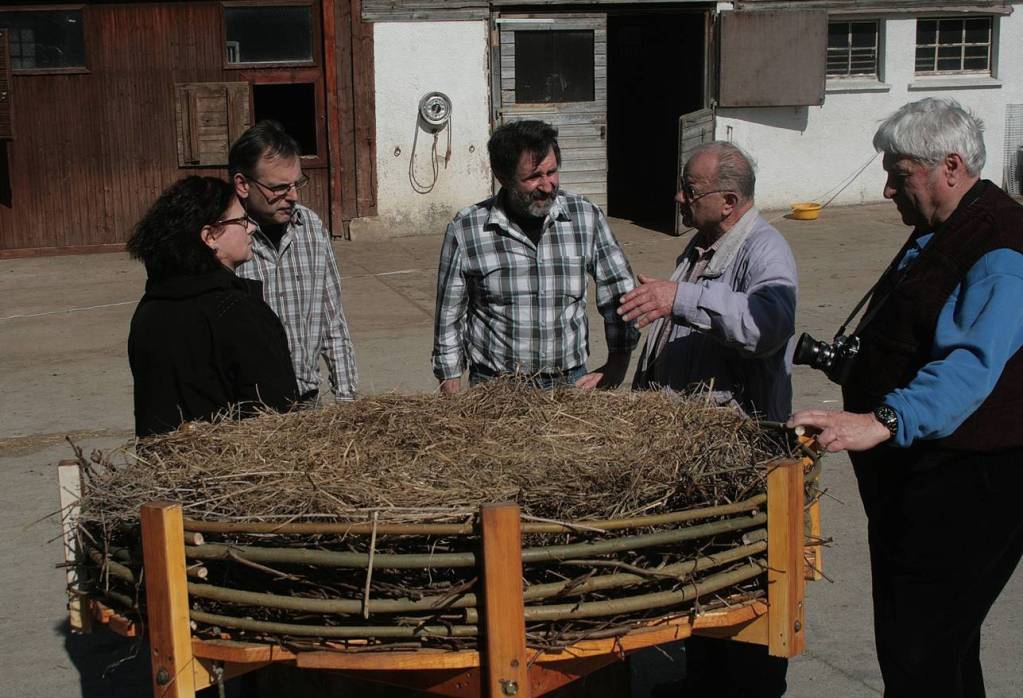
{"points": [[93, 150]]}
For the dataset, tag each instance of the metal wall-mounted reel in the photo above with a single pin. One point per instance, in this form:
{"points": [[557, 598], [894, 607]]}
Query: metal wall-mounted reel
{"points": [[434, 111]]}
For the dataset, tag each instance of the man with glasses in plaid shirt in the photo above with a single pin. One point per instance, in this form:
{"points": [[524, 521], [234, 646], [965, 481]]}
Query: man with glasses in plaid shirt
{"points": [[511, 289], [293, 258]]}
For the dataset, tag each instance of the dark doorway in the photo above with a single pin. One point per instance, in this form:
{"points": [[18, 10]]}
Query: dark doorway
{"points": [[656, 68], [293, 105]]}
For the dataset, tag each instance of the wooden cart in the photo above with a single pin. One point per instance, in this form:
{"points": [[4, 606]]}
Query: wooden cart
{"points": [[503, 666]]}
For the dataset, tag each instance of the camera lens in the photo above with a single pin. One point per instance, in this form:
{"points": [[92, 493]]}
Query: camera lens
{"points": [[809, 352]]}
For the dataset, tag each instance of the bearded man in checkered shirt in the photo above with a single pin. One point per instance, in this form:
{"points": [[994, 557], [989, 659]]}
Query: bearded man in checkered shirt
{"points": [[511, 289]]}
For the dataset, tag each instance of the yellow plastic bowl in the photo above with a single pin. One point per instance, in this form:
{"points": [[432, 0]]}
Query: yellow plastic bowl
{"points": [[806, 211]]}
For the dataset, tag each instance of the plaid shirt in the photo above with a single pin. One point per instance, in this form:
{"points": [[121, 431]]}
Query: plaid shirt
{"points": [[302, 283], [506, 305]]}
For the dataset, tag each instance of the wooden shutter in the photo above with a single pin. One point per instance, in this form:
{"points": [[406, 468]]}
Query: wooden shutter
{"points": [[694, 128], [772, 58], [210, 116], [6, 115]]}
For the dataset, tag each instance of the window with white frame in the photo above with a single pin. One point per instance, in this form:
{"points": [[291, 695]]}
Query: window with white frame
{"points": [[950, 45], [853, 49]]}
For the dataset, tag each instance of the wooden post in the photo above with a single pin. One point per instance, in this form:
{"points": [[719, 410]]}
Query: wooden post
{"points": [[504, 623], [335, 162], [69, 479], [170, 636], [785, 574]]}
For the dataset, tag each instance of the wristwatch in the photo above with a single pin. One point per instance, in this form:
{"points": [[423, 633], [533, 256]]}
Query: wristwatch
{"points": [[889, 417]]}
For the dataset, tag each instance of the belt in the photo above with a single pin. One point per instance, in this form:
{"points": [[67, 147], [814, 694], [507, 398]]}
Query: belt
{"points": [[488, 372]]}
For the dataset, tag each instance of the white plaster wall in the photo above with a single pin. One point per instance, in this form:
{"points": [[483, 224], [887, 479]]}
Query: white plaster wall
{"points": [[411, 59], [803, 152]]}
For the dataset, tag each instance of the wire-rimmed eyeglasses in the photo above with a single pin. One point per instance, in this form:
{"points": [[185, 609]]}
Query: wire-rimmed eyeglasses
{"points": [[692, 195], [279, 191]]}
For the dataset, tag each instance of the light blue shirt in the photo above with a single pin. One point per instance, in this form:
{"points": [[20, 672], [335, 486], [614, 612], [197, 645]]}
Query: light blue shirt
{"points": [[979, 329]]}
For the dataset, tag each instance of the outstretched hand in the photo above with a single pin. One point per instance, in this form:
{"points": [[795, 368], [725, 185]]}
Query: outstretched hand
{"points": [[842, 431], [651, 300]]}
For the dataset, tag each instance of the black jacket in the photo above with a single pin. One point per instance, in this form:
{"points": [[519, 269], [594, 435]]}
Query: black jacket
{"points": [[201, 343]]}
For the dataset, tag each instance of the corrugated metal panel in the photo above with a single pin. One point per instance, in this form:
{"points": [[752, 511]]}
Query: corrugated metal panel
{"points": [[772, 58], [582, 126], [406, 10], [1013, 176]]}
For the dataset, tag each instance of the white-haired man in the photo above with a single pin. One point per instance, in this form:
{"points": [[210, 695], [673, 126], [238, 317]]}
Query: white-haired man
{"points": [[933, 399], [724, 320]]}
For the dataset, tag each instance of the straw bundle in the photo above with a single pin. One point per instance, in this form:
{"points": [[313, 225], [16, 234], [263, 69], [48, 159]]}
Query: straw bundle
{"points": [[578, 458], [562, 454]]}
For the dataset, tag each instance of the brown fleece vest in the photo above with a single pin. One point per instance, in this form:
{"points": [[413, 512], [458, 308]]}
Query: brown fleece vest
{"points": [[897, 341]]}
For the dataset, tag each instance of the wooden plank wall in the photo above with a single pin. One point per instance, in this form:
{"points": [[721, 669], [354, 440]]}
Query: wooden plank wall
{"points": [[405, 10], [93, 150]]}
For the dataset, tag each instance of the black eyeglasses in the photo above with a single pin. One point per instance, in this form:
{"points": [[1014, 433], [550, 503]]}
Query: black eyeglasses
{"points": [[246, 221], [693, 195], [279, 191]]}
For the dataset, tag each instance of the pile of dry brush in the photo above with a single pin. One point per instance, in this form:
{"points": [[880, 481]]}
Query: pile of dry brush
{"points": [[563, 455]]}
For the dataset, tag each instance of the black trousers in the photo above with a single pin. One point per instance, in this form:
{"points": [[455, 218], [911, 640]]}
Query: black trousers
{"points": [[946, 533]]}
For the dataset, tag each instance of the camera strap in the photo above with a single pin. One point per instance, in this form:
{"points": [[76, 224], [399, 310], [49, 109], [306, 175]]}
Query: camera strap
{"points": [[869, 294], [968, 200]]}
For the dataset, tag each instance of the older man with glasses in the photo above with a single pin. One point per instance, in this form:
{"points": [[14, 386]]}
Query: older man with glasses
{"points": [[293, 258], [723, 321]]}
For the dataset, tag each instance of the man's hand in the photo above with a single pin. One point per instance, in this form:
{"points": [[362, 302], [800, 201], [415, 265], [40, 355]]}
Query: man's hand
{"points": [[608, 376], [652, 299], [450, 386], [842, 430]]}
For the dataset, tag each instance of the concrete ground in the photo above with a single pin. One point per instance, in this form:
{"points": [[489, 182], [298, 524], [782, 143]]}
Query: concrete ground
{"points": [[64, 372]]}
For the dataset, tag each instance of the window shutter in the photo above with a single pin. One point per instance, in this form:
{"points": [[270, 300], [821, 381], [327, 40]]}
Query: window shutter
{"points": [[6, 115], [773, 58], [210, 116]]}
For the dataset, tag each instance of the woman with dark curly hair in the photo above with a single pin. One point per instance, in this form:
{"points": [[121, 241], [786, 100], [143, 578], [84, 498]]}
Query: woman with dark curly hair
{"points": [[202, 340]]}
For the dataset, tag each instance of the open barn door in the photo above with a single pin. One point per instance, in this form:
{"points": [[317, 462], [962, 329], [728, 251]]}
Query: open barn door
{"points": [[694, 128], [554, 68]]}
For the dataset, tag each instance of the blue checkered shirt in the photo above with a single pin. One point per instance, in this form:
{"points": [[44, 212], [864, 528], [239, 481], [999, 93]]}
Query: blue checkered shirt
{"points": [[302, 283], [506, 305]]}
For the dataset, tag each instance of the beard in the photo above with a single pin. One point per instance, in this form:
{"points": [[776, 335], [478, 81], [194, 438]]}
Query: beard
{"points": [[535, 204]]}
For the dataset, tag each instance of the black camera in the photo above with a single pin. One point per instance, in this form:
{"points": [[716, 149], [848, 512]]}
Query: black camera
{"points": [[835, 359]]}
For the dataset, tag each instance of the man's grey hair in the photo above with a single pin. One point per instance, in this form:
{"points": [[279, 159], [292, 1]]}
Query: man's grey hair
{"points": [[736, 170], [931, 129]]}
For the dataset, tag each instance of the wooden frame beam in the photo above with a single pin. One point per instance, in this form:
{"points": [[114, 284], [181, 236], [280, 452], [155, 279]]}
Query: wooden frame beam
{"points": [[507, 668], [170, 635], [785, 559]]}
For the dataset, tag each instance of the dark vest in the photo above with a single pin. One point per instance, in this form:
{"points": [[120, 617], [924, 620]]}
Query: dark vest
{"points": [[897, 341]]}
